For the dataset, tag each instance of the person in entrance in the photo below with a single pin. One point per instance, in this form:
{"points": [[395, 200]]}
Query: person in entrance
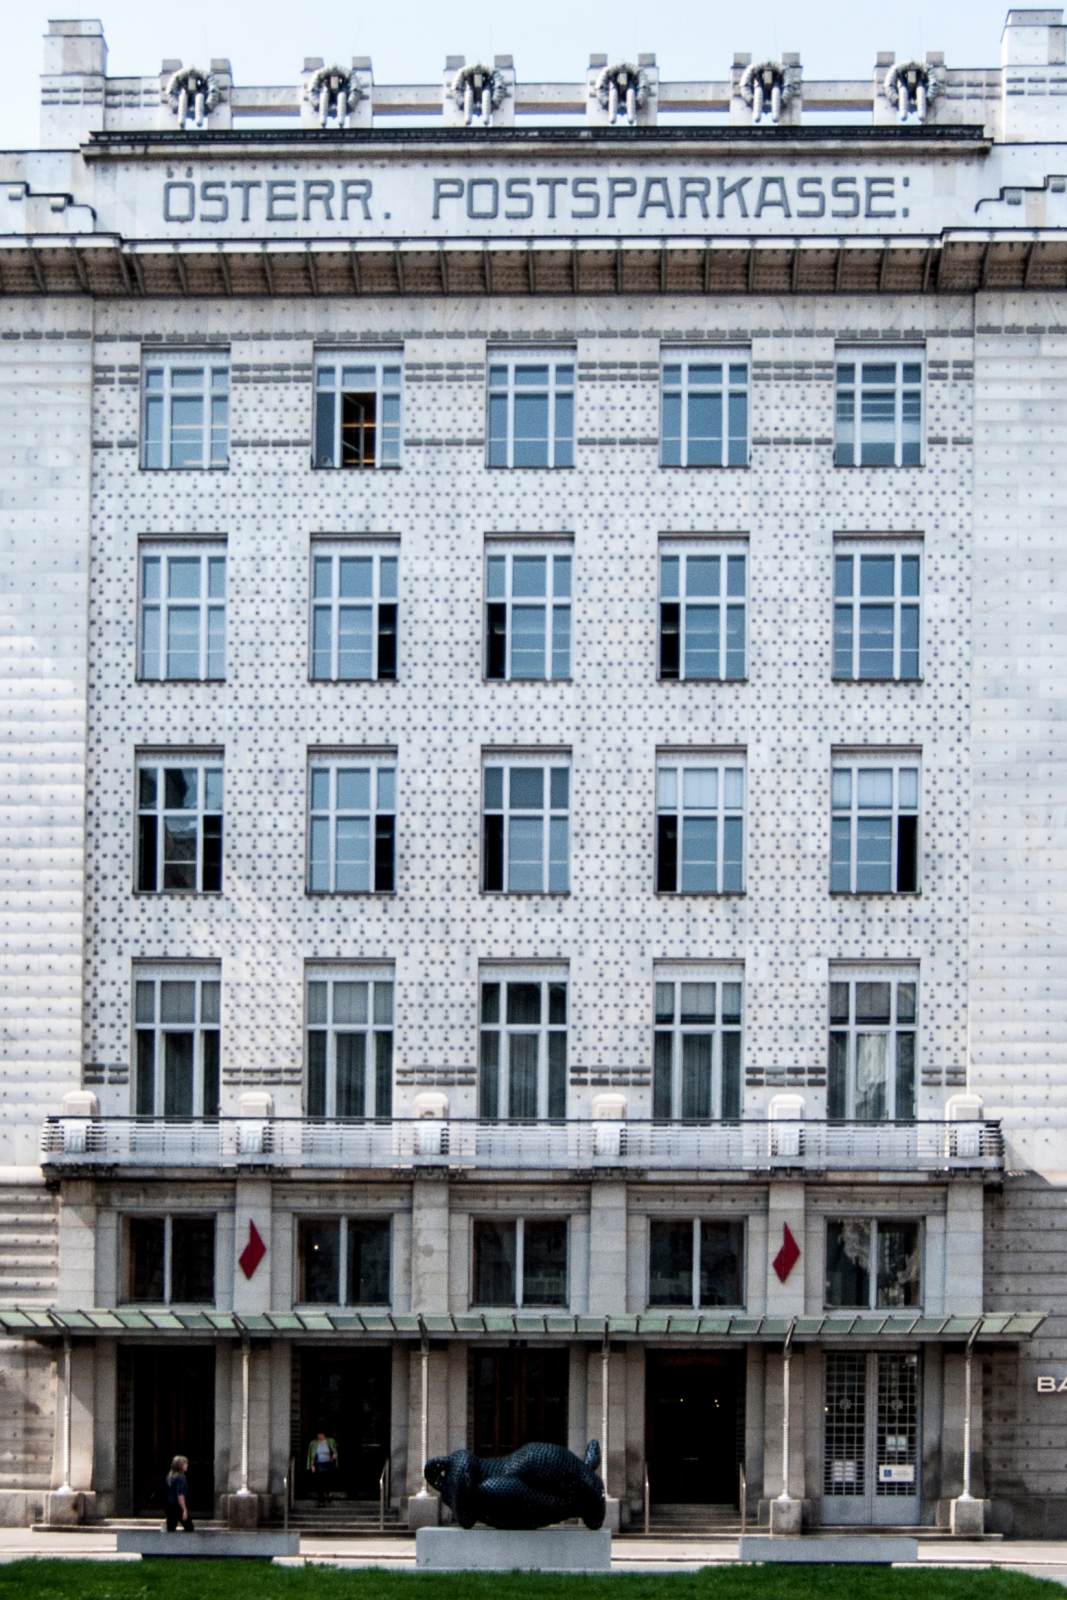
{"points": [[178, 1496], [322, 1461]]}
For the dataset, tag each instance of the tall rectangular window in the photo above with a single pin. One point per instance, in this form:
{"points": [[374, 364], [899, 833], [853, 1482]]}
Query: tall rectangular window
{"points": [[876, 613], [872, 1263], [169, 1260], [700, 804], [695, 1262], [527, 613], [352, 824], [179, 824], [879, 408], [526, 825], [185, 409], [350, 1042], [182, 623], [696, 1071], [701, 612], [523, 1045], [357, 409], [519, 1262], [874, 845], [873, 1020], [704, 408], [344, 1261], [176, 1041], [353, 614], [531, 408]]}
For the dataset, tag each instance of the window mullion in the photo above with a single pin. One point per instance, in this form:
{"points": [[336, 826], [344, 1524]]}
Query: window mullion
{"points": [[520, 1259], [695, 1274], [342, 1264], [168, 1258]]}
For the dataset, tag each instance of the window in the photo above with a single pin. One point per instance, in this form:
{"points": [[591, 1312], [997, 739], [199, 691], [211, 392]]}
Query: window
{"points": [[874, 847], [170, 1260], [183, 613], [525, 826], [700, 825], [531, 408], [352, 825], [523, 1067], [697, 1052], [353, 615], [527, 614], [872, 1045], [176, 1024], [179, 824], [344, 1261], [876, 614], [705, 409], [695, 1262], [701, 613], [520, 1263], [879, 408], [350, 1043], [872, 1264], [357, 410], [186, 420]]}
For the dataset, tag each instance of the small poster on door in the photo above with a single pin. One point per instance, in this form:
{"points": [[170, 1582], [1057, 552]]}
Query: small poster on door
{"points": [[895, 1472], [844, 1474]]}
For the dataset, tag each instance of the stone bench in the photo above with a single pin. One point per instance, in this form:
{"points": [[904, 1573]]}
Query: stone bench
{"points": [[210, 1545], [491, 1550], [869, 1549]]}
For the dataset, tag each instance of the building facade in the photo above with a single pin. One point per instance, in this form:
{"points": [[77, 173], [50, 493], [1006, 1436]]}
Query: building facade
{"points": [[533, 803]]}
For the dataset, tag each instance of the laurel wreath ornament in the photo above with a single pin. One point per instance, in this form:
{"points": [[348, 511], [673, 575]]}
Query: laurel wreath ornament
{"points": [[911, 86], [190, 89], [766, 88], [333, 91], [478, 91], [621, 87]]}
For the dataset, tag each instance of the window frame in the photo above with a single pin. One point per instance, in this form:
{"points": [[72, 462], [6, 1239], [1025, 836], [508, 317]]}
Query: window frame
{"points": [[719, 974], [695, 1266], [345, 1220], [547, 976], [206, 604], [372, 974], [897, 762], [506, 762], [520, 1302], [168, 1219], [875, 1223], [202, 1027], [685, 357], [378, 602], [726, 552], [377, 763], [853, 974], [723, 761], [554, 357], [210, 362], [859, 356], [204, 763], [857, 551], [380, 360], [553, 603]]}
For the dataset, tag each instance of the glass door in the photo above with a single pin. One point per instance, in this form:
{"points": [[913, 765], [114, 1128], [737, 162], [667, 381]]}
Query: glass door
{"points": [[871, 1438]]}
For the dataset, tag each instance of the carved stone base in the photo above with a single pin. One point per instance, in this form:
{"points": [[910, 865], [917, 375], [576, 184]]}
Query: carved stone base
{"points": [[966, 1517], [242, 1510], [495, 1550], [68, 1508], [786, 1516], [424, 1510]]}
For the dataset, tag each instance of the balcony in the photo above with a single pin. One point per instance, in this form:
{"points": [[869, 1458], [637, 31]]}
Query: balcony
{"points": [[583, 1145]]}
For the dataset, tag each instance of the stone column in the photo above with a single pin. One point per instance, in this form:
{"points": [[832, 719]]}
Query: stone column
{"points": [[607, 1297]]}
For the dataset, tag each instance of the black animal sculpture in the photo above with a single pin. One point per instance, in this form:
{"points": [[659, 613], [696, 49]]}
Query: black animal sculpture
{"points": [[534, 1486]]}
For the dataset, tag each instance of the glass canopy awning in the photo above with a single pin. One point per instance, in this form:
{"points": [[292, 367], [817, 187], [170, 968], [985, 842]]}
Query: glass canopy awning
{"points": [[38, 1323]]}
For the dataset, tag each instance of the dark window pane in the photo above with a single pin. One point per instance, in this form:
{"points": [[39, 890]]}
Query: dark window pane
{"points": [[192, 1260], [324, 414], [320, 1261], [212, 853], [557, 1075], [898, 1264], [907, 854], [544, 1264], [489, 1076], [524, 1003], [351, 1052], [147, 839], [145, 1093], [494, 1263], [872, 1002], [316, 1101], [720, 1263], [368, 1262], [837, 1086], [661, 1075], [496, 642], [493, 828], [667, 853], [145, 1277], [848, 1264], [210, 1051], [669, 640], [387, 641], [905, 1101], [696, 1075], [670, 1263], [383, 1074], [358, 427], [178, 1075], [384, 852]]}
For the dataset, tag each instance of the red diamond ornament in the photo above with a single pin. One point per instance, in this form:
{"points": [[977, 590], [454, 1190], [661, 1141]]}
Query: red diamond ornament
{"points": [[253, 1252], [788, 1255]]}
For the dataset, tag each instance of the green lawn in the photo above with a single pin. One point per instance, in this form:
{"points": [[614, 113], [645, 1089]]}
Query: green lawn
{"points": [[238, 1580]]}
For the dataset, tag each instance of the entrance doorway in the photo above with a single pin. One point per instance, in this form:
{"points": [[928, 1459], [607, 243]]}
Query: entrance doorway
{"points": [[346, 1394], [871, 1437], [694, 1425], [516, 1397], [166, 1407]]}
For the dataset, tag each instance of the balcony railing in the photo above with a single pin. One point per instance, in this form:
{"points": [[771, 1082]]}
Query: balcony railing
{"points": [[466, 1143]]}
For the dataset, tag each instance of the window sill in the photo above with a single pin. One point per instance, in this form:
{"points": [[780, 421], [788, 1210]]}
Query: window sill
{"points": [[725, 683], [904, 683], [169, 683], [168, 1305], [694, 1311], [705, 466], [503, 467], [513, 683], [873, 1311], [879, 466], [211, 466], [700, 894], [339, 466], [512, 1310], [351, 894], [178, 894], [332, 1306], [876, 894], [336, 683], [526, 894]]}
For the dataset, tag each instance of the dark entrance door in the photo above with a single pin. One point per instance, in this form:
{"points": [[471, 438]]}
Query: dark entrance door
{"points": [[517, 1397], [166, 1409], [694, 1425], [346, 1394]]}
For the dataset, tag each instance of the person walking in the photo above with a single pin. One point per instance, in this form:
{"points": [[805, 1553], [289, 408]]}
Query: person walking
{"points": [[322, 1462], [178, 1496]]}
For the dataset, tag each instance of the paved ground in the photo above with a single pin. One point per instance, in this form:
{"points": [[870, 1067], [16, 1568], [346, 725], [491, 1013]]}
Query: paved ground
{"points": [[1039, 1558]]}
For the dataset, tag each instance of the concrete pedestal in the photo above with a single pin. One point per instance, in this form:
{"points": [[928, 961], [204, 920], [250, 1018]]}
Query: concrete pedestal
{"points": [[786, 1516], [867, 1549], [67, 1508], [424, 1510], [967, 1517], [210, 1545], [494, 1550], [242, 1510]]}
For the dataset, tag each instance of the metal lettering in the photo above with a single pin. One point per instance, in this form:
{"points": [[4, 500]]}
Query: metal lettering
{"points": [[880, 189], [662, 204], [214, 194], [585, 189], [765, 199], [494, 199], [281, 192], [519, 189], [620, 189], [445, 189], [845, 189], [318, 192], [244, 186], [190, 194], [697, 189], [1046, 1385], [811, 189], [728, 189], [358, 190], [551, 184]]}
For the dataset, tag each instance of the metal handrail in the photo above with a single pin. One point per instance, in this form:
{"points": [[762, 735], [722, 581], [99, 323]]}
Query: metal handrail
{"points": [[742, 1494], [383, 1491], [648, 1506]]}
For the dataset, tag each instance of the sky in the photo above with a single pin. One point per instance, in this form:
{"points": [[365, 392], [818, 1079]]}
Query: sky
{"points": [[267, 40]]}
